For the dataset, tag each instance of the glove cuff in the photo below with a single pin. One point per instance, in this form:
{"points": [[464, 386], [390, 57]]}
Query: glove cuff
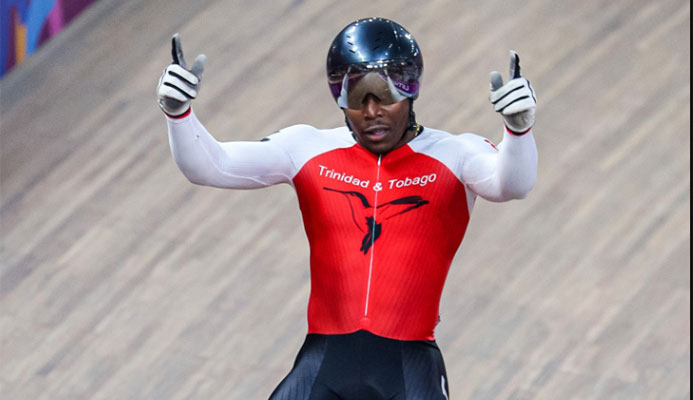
{"points": [[181, 116], [512, 132]]}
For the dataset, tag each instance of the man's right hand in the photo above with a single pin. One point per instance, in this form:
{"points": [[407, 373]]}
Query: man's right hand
{"points": [[178, 85]]}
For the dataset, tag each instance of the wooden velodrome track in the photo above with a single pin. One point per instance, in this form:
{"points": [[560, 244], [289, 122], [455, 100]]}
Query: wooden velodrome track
{"points": [[121, 280]]}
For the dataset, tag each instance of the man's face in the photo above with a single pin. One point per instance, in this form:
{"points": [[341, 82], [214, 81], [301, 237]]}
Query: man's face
{"points": [[379, 128]]}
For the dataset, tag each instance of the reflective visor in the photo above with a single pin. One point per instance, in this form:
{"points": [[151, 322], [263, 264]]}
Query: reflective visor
{"points": [[390, 84]]}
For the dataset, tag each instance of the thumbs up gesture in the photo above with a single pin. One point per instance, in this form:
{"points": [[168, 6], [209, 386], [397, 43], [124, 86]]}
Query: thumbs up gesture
{"points": [[178, 85], [515, 100]]}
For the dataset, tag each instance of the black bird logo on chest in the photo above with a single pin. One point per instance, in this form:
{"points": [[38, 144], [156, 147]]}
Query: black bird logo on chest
{"points": [[362, 213]]}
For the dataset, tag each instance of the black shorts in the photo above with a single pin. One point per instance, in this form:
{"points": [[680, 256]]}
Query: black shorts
{"points": [[363, 366]]}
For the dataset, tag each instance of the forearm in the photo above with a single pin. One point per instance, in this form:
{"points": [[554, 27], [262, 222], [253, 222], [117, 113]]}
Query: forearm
{"points": [[238, 165]]}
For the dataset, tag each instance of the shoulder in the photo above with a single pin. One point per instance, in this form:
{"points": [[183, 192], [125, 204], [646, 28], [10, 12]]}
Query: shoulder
{"points": [[441, 144], [303, 142], [301, 134]]}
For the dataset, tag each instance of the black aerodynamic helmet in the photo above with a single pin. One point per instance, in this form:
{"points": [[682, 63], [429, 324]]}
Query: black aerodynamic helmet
{"points": [[374, 55]]}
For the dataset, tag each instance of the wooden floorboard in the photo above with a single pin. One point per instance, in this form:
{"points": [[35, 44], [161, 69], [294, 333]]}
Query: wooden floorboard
{"points": [[121, 280]]}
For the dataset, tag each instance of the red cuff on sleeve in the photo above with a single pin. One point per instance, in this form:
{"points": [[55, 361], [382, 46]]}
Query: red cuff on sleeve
{"points": [[185, 114], [516, 133]]}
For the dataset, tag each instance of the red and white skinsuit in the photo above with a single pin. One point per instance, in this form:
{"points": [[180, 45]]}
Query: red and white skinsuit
{"points": [[383, 230]]}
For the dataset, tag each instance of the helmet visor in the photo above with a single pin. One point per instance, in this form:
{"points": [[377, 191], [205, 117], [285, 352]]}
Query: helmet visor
{"points": [[389, 84]]}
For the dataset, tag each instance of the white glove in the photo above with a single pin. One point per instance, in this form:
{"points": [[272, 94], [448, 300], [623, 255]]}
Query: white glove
{"points": [[515, 100], [178, 85]]}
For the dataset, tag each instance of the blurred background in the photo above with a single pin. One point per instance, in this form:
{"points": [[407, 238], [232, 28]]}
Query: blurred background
{"points": [[119, 279]]}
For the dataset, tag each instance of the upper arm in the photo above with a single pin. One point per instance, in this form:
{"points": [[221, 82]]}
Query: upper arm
{"points": [[247, 165], [478, 159], [238, 165]]}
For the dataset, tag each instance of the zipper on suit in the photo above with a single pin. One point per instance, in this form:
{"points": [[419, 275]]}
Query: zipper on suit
{"points": [[370, 266]]}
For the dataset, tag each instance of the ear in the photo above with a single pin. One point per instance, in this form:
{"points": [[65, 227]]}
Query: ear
{"points": [[412, 115], [346, 121]]}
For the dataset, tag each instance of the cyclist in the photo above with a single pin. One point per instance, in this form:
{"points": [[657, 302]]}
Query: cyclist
{"points": [[385, 205]]}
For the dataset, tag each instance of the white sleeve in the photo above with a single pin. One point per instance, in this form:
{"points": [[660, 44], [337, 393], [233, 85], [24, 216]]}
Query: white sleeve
{"points": [[504, 174], [238, 165]]}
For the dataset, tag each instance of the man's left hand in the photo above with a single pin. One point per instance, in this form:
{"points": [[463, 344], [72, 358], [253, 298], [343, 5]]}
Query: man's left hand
{"points": [[515, 100]]}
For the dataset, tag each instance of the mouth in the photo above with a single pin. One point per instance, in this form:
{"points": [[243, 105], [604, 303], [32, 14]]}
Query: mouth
{"points": [[376, 132]]}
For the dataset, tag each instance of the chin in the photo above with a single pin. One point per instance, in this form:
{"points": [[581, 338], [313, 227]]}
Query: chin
{"points": [[382, 146], [379, 148]]}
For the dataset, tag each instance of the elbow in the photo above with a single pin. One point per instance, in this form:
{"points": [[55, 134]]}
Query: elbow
{"points": [[197, 179], [519, 191], [516, 195], [193, 175], [515, 190], [506, 196], [511, 181]]}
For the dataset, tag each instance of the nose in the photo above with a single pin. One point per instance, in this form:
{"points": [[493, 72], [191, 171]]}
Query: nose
{"points": [[371, 107]]}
